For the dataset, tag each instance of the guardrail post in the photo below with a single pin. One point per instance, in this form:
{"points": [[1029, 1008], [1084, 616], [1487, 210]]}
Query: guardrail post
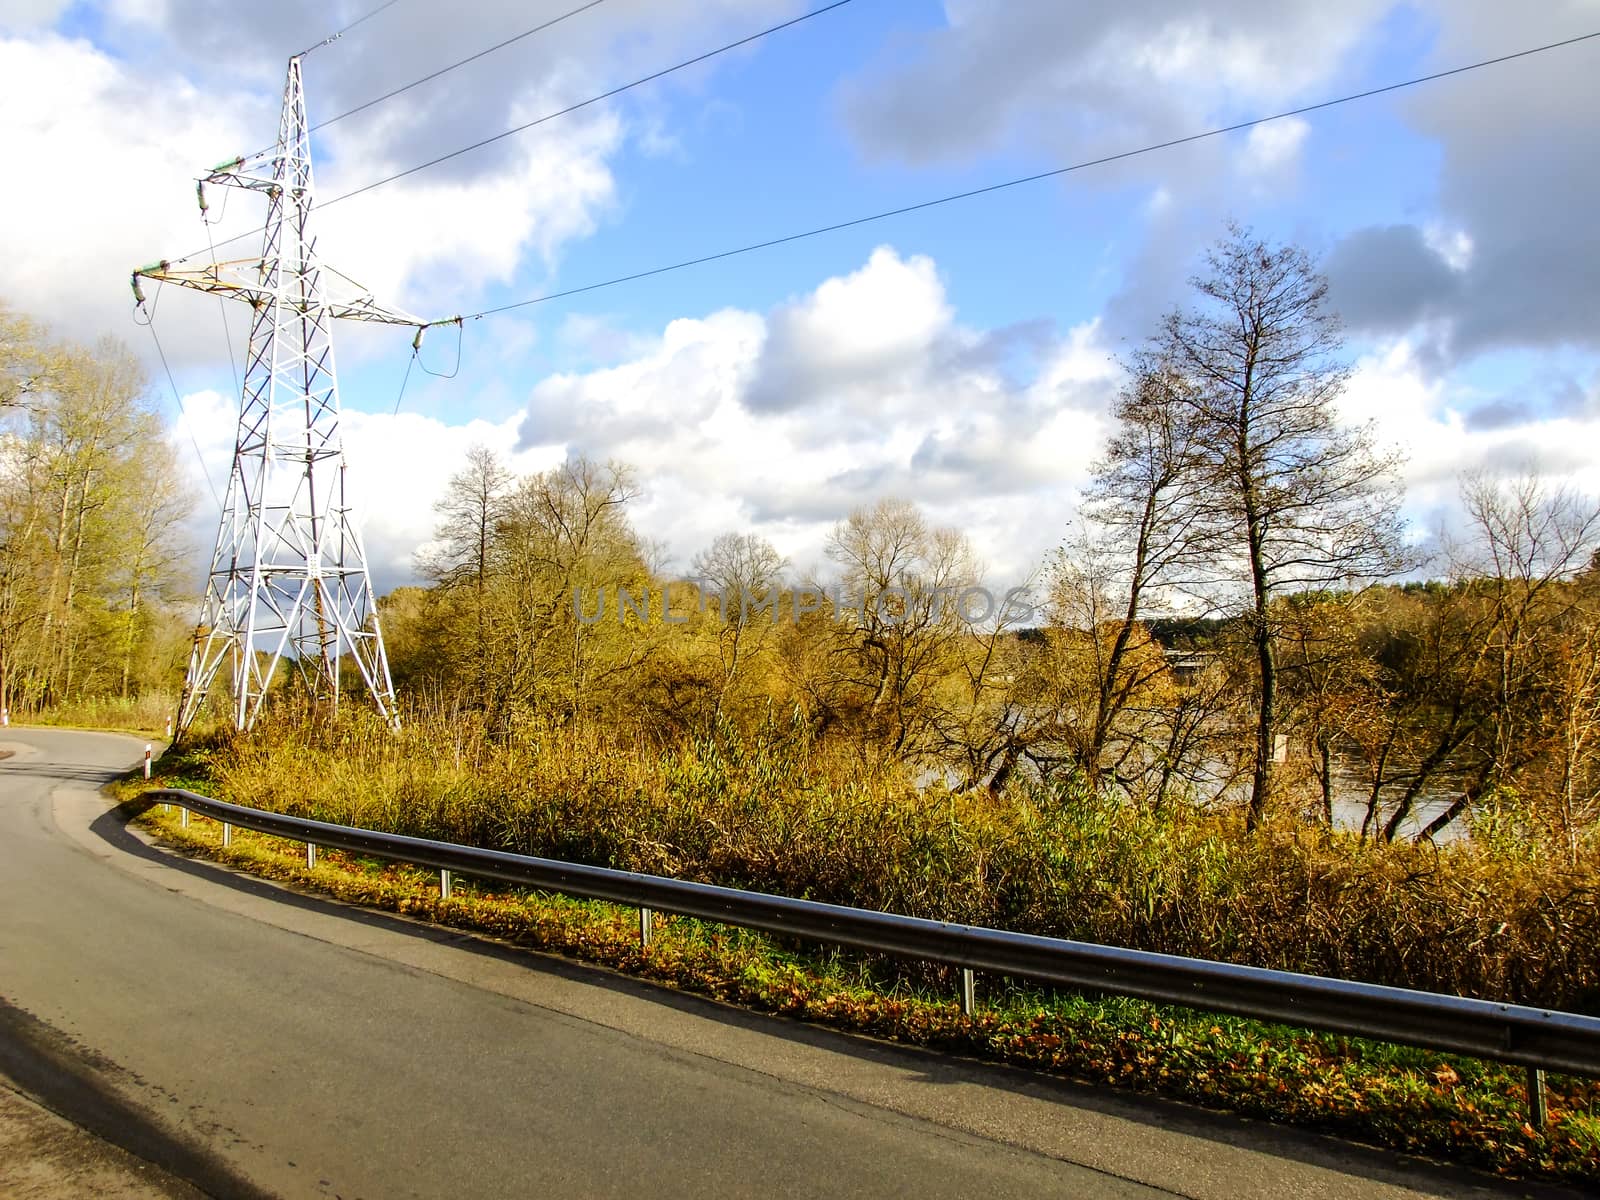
{"points": [[969, 992], [311, 855], [444, 885], [183, 818], [1538, 1105], [227, 834], [646, 926]]}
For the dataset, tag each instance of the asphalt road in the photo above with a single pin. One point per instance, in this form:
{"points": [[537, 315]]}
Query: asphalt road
{"points": [[255, 1041]]}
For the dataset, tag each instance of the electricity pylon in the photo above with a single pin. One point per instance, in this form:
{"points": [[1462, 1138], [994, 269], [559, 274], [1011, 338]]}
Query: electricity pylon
{"points": [[289, 573]]}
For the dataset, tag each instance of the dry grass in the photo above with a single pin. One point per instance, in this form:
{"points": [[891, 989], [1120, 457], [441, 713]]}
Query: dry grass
{"points": [[766, 812], [147, 713]]}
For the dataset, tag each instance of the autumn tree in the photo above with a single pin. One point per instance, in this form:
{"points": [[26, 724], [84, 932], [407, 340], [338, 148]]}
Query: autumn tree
{"points": [[900, 585], [1289, 496], [461, 557], [1136, 544], [90, 508], [738, 570], [1517, 617], [566, 545]]}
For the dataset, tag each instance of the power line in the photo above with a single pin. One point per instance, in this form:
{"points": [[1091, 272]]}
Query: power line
{"points": [[571, 108], [334, 37], [222, 307], [516, 129], [1024, 179], [183, 411], [405, 379], [526, 33]]}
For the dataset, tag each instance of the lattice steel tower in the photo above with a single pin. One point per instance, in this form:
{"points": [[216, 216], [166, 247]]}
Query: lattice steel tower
{"points": [[289, 573]]}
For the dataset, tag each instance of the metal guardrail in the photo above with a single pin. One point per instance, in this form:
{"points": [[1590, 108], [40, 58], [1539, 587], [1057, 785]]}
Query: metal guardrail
{"points": [[1536, 1038]]}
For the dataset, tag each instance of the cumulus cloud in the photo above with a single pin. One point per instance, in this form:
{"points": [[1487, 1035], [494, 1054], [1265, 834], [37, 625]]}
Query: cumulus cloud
{"points": [[866, 386], [1517, 268], [1002, 454], [1387, 278], [109, 160], [1441, 430], [1085, 78], [863, 330]]}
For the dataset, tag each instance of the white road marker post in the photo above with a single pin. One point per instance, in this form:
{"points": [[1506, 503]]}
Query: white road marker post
{"points": [[147, 760], [5, 717]]}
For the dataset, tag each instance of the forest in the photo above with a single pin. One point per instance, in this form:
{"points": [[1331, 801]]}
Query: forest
{"points": [[96, 575]]}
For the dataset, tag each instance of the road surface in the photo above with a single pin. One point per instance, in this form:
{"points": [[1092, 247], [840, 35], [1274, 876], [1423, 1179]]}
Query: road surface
{"points": [[254, 1041]]}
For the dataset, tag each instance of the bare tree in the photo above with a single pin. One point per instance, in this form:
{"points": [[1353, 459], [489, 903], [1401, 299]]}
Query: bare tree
{"points": [[739, 567], [903, 580], [1289, 496], [1139, 540], [462, 556], [1529, 540]]}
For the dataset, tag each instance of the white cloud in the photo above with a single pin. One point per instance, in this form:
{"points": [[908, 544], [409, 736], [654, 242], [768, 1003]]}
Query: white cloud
{"points": [[32, 14], [435, 240], [1425, 418], [946, 426], [1087, 78], [104, 178], [1453, 246], [1272, 147], [878, 392], [865, 329]]}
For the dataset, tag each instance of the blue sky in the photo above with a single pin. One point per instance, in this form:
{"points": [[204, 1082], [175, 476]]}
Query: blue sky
{"points": [[963, 355]]}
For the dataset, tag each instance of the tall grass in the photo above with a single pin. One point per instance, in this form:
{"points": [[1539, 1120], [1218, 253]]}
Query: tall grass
{"points": [[769, 811], [145, 713]]}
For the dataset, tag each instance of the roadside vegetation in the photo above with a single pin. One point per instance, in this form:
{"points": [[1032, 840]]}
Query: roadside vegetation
{"points": [[1455, 1109], [770, 811]]}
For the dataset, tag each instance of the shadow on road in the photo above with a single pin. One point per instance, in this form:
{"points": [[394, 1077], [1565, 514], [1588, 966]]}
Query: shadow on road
{"points": [[50, 1068]]}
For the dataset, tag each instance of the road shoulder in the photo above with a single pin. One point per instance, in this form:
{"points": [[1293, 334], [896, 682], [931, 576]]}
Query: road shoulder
{"points": [[44, 1156]]}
